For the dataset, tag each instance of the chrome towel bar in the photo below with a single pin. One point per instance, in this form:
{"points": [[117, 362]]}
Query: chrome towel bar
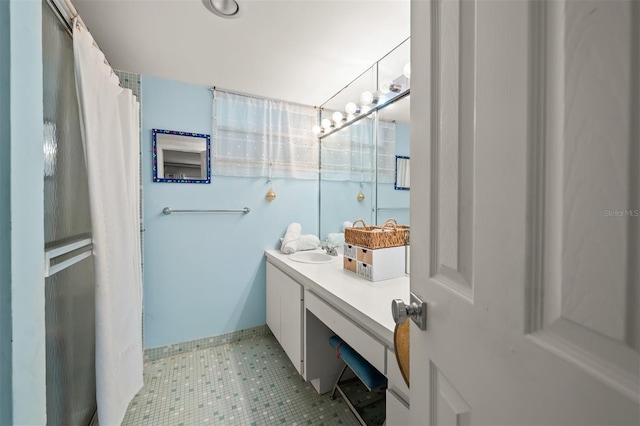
{"points": [[169, 210]]}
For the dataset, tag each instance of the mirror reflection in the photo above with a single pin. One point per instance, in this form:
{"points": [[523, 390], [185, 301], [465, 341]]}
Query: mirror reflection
{"points": [[364, 148], [358, 171], [347, 177], [181, 157], [349, 104], [393, 125], [403, 173]]}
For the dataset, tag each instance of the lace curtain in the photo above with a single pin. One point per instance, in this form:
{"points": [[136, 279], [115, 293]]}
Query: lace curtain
{"points": [[256, 137], [348, 155]]}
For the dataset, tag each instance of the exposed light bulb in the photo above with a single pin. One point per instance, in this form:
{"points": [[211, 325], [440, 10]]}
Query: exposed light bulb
{"points": [[366, 98], [337, 117], [365, 109], [407, 70], [389, 86], [350, 117], [351, 108], [325, 123], [316, 129], [385, 86]]}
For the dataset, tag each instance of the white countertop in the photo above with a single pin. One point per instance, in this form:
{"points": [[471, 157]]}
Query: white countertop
{"points": [[365, 302]]}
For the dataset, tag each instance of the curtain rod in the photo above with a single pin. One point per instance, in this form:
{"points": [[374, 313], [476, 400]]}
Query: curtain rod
{"points": [[66, 12], [249, 95]]}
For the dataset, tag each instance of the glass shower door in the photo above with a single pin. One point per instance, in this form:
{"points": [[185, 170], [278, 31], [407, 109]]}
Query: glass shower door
{"points": [[69, 284]]}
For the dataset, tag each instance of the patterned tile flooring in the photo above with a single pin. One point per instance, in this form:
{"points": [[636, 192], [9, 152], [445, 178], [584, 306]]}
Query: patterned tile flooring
{"points": [[248, 382]]}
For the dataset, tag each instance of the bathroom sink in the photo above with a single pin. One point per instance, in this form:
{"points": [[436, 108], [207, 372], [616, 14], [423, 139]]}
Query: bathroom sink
{"points": [[312, 257]]}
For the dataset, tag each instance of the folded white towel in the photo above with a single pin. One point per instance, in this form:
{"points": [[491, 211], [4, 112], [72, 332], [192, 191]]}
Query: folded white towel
{"points": [[336, 239], [308, 242], [346, 224], [291, 237]]}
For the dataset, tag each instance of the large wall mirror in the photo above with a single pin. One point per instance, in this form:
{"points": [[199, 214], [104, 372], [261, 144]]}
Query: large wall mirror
{"points": [[181, 157], [363, 130], [393, 144]]}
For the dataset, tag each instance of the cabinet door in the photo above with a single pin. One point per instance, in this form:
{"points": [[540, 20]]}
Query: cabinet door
{"points": [[397, 411], [291, 320], [274, 276]]}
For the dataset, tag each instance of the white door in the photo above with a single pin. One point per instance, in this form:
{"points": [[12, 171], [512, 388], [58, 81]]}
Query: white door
{"points": [[525, 124]]}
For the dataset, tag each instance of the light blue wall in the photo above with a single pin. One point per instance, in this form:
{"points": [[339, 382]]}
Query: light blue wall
{"points": [[5, 220], [339, 203], [205, 273], [26, 238]]}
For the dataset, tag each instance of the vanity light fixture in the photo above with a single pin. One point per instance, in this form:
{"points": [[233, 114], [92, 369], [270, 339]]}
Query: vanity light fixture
{"points": [[223, 8], [337, 118], [389, 86], [351, 108], [326, 125], [367, 98]]}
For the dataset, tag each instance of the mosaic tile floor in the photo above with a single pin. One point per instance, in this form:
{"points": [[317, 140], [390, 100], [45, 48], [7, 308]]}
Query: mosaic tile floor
{"points": [[248, 382]]}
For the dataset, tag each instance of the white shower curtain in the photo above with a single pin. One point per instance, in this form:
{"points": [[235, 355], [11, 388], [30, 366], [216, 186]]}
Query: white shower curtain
{"points": [[109, 123]]}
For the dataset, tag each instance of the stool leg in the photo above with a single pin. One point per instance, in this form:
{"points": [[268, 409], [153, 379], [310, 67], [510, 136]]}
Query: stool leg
{"points": [[335, 387]]}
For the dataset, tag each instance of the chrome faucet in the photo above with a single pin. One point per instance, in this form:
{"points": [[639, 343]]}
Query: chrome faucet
{"points": [[331, 251]]}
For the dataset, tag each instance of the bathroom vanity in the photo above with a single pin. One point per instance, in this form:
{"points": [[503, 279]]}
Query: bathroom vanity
{"points": [[309, 302]]}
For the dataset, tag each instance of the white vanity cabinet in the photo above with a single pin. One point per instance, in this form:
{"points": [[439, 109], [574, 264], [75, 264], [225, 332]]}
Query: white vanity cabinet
{"points": [[284, 313], [397, 393], [397, 410], [307, 303]]}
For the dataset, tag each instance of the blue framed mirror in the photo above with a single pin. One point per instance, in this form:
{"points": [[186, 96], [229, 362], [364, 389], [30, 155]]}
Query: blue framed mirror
{"points": [[402, 174], [181, 157]]}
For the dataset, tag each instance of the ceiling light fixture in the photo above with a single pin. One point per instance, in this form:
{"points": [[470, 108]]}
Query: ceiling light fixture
{"points": [[223, 8]]}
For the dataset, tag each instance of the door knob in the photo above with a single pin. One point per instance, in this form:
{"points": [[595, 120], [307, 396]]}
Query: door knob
{"points": [[416, 310]]}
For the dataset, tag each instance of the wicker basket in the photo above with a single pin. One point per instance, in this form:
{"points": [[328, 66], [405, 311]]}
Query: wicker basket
{"points": [[374, 237]]}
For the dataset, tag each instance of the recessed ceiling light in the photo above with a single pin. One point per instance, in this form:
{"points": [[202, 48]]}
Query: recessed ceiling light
{"points": [[223, 8]]}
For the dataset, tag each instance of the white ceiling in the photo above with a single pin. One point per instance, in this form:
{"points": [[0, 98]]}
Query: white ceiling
{"points": [[296, 50]]}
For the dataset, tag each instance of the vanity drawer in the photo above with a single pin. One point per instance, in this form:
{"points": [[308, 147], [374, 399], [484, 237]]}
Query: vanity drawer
{"points": [[350, 251], [371, 349], [350, 264]]}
